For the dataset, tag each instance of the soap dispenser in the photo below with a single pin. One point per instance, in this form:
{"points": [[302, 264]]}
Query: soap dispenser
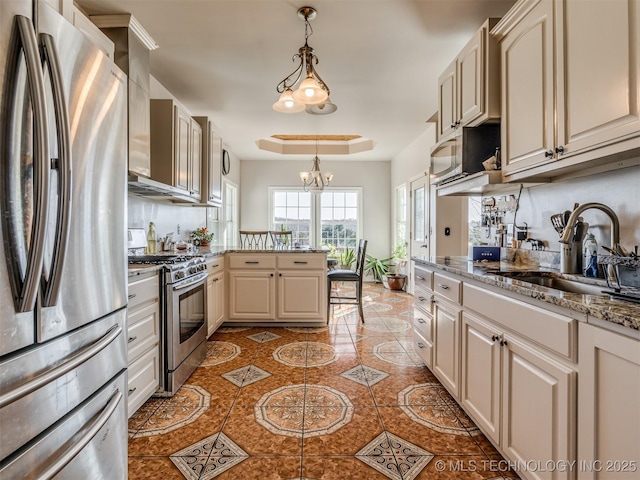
{"points": [[590, 256]]}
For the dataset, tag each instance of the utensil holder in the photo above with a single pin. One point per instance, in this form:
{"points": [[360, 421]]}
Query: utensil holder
{"points": [[571, 257]]}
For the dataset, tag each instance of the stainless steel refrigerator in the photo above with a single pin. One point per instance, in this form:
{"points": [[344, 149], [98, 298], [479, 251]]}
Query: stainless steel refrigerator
{"points": [[63, 291]]}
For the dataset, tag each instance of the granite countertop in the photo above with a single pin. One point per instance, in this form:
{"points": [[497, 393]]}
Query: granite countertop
{"points": [[602, 306]]}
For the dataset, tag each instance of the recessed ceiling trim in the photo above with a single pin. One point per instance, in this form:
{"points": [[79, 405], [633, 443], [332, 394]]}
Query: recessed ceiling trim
{"points": [[321, 144]]}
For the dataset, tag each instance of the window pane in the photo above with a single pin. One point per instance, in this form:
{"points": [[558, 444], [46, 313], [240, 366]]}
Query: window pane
{"points": [[419, 215], [304, 199], [326, 199], [279, 214], [351, 199], [280, 199], [304, 213], [338, 199]]}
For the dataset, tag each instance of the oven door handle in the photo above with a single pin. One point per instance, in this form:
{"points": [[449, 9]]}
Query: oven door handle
{"points": [[189, 284]]}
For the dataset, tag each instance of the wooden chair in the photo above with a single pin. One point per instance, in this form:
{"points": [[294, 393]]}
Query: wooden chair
{"points": [[280, 239], [253, 240], [348, 276]]}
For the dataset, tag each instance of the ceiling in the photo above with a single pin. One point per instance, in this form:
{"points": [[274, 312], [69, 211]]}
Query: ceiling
{"points": [[380, 58]]}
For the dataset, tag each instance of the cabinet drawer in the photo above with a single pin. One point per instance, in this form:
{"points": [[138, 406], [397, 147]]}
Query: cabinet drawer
{"points": [[215, 265], [423, 277], [298, 261], [252, 262], [422, 299], [142, 330], [143, 289], [447, 287], [143, 379], [551, 330], [423, 348], [422, 324]]}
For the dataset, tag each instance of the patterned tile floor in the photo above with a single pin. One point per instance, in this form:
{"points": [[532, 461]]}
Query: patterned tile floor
{"points": [[345, 401]]}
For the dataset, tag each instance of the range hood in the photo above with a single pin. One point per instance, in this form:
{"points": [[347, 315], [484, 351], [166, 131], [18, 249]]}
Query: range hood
{"points": [[149, 188]]}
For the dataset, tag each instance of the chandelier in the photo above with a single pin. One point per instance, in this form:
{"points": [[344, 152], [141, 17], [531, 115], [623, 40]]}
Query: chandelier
{"points": [[312, 94], [315, 181]]}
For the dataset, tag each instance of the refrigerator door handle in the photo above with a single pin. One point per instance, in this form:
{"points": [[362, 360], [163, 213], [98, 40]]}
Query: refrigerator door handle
{"points": [[49, 376], [89, 431], [63, 221], [25, 288]]}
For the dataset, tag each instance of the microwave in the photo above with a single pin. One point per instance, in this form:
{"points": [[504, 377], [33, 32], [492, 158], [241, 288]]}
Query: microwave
{"points": [[463, 153]]}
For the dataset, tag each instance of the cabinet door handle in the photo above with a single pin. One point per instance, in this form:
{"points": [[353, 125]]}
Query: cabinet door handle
{"points": [[421, 298], [300, 263], [453, 125], [559, 149], [418, 277], [133, 295], [252, 263], [420, 320], [132, 339], [548, 153], [420, 344], [444, 287], [215, 266], [131, 390]]}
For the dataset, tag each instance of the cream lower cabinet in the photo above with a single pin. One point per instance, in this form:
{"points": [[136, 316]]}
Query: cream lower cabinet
{"points": [[608, 405], [423, 324], [143, 335], [521, 395], [277, 287], [446, 345], [215, 294]]}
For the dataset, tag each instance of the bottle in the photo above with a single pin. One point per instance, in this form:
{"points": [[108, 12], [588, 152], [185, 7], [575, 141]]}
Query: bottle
{"points": [[151, 239], [590, 256]]}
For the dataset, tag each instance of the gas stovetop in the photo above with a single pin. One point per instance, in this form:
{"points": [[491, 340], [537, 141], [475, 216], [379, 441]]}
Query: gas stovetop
{"points": [[177, 267], [160, 259]]}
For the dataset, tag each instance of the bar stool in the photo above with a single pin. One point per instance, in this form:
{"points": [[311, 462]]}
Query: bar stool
{"points": [[348, 276], [253, 240], [280, 239]]}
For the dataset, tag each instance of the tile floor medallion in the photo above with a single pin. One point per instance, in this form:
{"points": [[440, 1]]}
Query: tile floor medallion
{"points": [[306, 329], [316, 403], [263, 337], [423, 404], [387, 324], [399, 353], [312, 409], [394, 457], [364, 375], [185, 407], [209, 457], [232, 329], [305, 354], [246, 375], [220, 352]]}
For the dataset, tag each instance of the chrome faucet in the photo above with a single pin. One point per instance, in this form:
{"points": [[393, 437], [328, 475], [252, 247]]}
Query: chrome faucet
{"points": [[570, 257]]}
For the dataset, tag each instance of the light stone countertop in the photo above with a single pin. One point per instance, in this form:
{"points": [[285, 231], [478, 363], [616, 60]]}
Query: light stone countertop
{"points": [[621, 312]]}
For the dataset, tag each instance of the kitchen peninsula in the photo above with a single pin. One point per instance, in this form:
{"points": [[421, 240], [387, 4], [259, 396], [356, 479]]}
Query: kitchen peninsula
{"points": [[275, 287]]}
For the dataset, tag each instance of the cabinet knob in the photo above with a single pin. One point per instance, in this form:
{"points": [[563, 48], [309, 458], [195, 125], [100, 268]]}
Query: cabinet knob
{"points": [[494, 337], [457, 123], [503, 342], [559, 149], [279, 274], [548, 153], [453, 125], [433, 301], [271, 274]]}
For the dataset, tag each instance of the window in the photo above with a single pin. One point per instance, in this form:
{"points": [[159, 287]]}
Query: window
{"points": [[229, 213], [334, 216], [400, 216]]}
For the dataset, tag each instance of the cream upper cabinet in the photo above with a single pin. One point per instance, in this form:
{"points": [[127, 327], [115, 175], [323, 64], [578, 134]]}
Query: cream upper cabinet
{"points": [[608, 409], [527, 91], [447, 97], [570, 85], [176, 146], [211, 163], [469, 88]]}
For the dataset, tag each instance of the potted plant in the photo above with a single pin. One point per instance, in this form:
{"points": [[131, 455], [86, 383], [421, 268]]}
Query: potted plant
{"points": [[347, 258], [377, 267], [397, 279], [201, 237]]}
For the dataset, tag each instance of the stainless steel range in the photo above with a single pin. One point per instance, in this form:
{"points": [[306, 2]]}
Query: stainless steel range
{"points": [[184, 325]]}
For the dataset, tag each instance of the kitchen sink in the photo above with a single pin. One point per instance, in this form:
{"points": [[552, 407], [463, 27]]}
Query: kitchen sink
{"points": [[549, 281]]}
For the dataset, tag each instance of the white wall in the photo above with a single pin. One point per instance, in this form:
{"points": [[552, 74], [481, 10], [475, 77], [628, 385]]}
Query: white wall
{"points": [[257, 176]]}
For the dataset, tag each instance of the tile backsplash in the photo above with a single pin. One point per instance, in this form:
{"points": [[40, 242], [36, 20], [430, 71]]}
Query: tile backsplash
{"points": [[166, 216]]}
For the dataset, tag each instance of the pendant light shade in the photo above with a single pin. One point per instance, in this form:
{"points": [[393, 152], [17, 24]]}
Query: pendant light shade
{"points": [[322, 108], [287, 104], [310, 92]]}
